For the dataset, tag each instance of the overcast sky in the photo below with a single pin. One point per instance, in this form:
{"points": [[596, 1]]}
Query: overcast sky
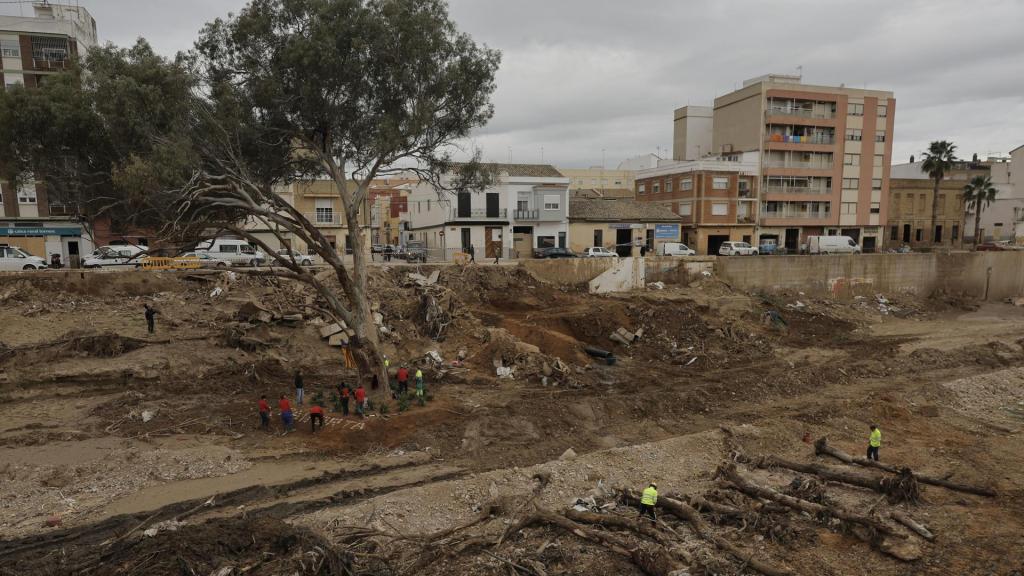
{"points": [[582, 76]]}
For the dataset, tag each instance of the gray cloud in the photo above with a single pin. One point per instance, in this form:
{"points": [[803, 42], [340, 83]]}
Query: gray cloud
{"points": [[582, 76]]}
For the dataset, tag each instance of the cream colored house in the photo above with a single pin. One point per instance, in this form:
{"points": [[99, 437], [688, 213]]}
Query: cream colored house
{"points": [[598, 178]]}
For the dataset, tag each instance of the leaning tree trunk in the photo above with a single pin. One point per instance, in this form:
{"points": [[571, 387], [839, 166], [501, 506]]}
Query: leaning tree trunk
{"points": [[977, 223]]}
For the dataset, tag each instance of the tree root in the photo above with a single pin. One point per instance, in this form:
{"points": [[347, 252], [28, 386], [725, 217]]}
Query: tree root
{"points": [[821, 446], [903, 488]]}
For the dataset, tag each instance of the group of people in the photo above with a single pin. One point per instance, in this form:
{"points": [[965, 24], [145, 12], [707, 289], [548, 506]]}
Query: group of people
{"points": [[649, 497], [346, 395]]}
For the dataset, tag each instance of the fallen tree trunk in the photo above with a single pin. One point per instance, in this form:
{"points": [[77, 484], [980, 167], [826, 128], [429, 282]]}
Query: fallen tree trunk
{"points": [[651, 559], [903, 488], [730, 473], [640, 527], [688, 514], [821, 446], [905, 519]]}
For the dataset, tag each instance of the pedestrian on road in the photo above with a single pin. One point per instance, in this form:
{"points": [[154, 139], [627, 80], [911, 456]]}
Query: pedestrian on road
{"points": [[316, 414], [874, 442], [299, 387], [150, 317], [388, 250], [360, 395], [403, 380], [264, 413], [647, 502], [286, 414], [345, 394]]}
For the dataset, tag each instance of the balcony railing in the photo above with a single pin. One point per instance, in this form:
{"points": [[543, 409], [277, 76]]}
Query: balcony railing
{"points": [[797, 190], [322, 219], [62, 210], [478, 214], [801, 112], [745, 219], [526, 214], [797, 214], [800, 139], [786, 163]]}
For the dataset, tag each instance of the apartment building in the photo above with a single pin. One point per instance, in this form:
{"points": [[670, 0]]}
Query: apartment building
{"points": [[31, 49], [823, 155], [527, 208], [716, 198], [598, 178], [691, 132]]}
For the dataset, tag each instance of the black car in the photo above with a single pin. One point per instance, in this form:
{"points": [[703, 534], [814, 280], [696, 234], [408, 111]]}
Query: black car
{"points": [[554, 252]]}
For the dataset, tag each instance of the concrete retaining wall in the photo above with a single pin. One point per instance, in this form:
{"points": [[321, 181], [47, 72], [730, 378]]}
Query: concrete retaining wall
{"points": [[846, 276], [625, 274]]}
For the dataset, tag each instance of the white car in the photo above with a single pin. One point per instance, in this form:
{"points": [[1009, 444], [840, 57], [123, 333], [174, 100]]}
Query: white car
{"points": [[737, 249], [237, 252], [289, 255], [599, 252], [676, 249], [115, 255], [207, 261], [14, 258]]}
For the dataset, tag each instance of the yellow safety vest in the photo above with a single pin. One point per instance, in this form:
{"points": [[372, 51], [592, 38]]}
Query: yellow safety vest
{"points": [[419, 373], [650, 497], [387, 363], [876, 438]]}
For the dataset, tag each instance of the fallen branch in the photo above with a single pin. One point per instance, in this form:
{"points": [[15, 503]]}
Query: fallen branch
{"points": [[905, 519], [903, 488], [821, 446], [688, 514]]}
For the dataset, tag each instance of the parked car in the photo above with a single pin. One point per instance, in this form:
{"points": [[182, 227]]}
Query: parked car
{"points": [[996, 246], [770, 247], [599, 252], [14, 258], [206, 260], [115, 256], [376, 248], [737, 249], [238, 252], [554, 252], [832, 245], [676, 249], [289, 255]]}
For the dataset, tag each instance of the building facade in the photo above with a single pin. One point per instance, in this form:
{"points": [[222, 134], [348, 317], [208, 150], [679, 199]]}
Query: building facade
{"points": [[598, 178], [620, 224], [910, 205], [32, 48], [691, 132], [715, 199], [526, 209], [823, 156]]}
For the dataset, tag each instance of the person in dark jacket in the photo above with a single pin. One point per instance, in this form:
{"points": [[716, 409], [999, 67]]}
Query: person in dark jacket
{"points": [[150, 313], [299, 387]]}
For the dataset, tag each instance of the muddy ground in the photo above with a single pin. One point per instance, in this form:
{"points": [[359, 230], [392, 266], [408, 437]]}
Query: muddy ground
{"points": [[128, 453]]}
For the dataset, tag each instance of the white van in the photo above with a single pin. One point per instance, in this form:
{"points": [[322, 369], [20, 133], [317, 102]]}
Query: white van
{"points": [[115, 255], [676, 249], [238, 252], [832, 245], [14, 258]]}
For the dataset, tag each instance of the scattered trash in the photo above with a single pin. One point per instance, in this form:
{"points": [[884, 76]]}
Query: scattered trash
{"points": [[656, 285], [434, 357], [216, 292], [588, 504], [148, 415], [796, 305], [706, 274], [504, 371], [692, 360]]}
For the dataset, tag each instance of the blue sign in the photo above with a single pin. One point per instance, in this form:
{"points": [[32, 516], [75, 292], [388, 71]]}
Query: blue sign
{"points": [[666, 231], [40, 231]]}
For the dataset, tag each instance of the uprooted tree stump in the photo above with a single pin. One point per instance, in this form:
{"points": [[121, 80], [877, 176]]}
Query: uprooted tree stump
{"points": [[822, 447], [902, 488]]}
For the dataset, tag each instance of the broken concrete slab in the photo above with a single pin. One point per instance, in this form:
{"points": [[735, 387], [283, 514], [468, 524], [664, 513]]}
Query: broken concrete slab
{"points": [[339, 339], [331, 330]]}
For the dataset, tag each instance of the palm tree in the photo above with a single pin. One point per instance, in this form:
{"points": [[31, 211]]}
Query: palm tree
{"points": [[979, 194], [938, 160]]}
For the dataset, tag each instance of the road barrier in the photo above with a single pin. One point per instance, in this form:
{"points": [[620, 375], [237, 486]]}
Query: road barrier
{"points": [[162, 263]]}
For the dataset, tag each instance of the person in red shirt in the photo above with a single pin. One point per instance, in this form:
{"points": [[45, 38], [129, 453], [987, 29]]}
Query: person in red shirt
{"points": [[264, 413], [360, 395], [403, 380], [345, 393], [316, 414], [286, 413]]}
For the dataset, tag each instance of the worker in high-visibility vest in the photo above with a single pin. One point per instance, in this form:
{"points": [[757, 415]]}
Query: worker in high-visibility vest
{"points": [[874, 442], [648, 500]]}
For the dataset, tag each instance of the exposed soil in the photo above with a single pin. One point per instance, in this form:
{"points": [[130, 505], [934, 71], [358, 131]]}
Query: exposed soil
{"points": [[128, 453]]}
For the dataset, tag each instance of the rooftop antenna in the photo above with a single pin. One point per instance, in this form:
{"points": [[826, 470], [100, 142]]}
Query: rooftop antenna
{"points": [[541, 154], [800, 71], [509, 154]]}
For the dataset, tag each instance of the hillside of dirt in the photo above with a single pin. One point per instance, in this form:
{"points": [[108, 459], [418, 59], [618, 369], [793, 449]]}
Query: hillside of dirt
{"points": [[120, 450]]}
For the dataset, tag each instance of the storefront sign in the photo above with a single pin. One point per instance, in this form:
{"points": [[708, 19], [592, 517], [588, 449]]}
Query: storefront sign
{"points": [[666, 231], [40, 231]]}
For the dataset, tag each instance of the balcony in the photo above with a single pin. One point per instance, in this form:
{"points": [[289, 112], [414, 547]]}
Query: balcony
{"points": [[795, 214], [800, 112], [788, 163], [776, 138], [324, 218], [478, 214], [745, 219], [797, 190], [526, 214], [537, 215]]}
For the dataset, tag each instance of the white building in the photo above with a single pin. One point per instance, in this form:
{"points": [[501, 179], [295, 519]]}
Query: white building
{"points": [[526, 209]]}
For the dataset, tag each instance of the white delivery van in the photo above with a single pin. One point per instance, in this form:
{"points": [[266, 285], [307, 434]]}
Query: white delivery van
{"points": [[14, 258], [676, 249], [238, 252], [115, 255], [832, 245]]}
